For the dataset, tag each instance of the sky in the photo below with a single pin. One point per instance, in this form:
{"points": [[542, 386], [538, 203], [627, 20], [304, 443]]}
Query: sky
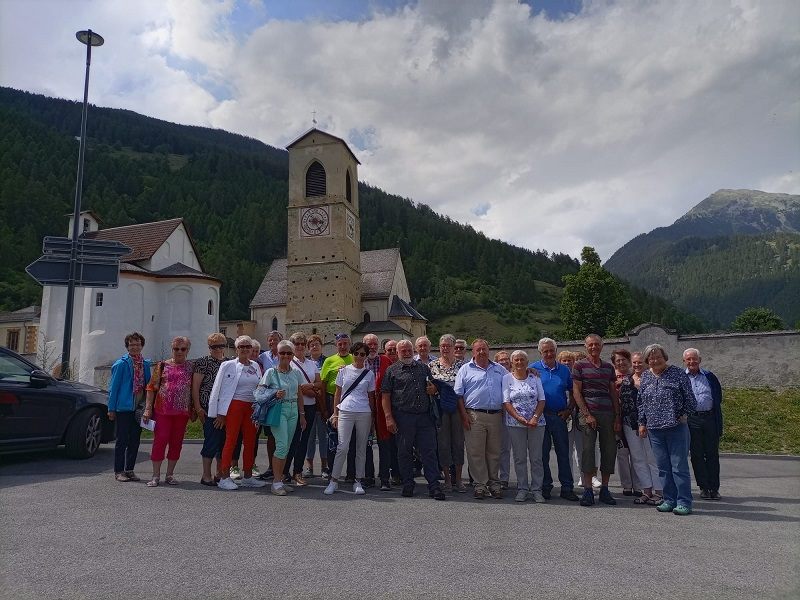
{"points": [[550, 124]]}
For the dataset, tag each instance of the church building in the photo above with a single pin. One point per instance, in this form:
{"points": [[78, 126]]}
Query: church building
{"points": [[326, 284]]}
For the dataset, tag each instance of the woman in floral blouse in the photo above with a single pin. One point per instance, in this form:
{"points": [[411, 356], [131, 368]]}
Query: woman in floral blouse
{"points": [[665, 402], [169, 400], [641, 454], [451, 433]]}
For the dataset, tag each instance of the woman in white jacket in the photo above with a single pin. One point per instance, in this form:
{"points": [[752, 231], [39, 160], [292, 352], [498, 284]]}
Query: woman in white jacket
{"points": [[231, 407]]}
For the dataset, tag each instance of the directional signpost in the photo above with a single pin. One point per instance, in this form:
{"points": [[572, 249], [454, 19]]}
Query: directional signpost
{"points": [[96, 262]]}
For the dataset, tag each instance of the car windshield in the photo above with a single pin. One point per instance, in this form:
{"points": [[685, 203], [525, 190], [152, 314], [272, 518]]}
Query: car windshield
{"points": [[13, 369]]}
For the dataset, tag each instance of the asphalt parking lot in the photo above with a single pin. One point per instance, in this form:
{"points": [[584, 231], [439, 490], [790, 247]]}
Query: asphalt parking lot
{"points": [[70, 531]]}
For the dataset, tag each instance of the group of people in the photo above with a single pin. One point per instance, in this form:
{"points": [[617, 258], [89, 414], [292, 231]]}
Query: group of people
{"points": [[429, 416]]}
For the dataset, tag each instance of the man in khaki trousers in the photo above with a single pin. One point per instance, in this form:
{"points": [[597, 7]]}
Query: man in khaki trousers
{"points": [[479, 384]]}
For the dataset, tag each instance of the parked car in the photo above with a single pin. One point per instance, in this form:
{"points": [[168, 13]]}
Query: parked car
{"points": [[38, 411]]}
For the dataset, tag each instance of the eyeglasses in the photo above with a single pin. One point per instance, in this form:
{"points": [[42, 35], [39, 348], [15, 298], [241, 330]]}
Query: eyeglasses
{"points": [[459, 347], [243, 346], [299, 343], [182, 349], [286, 353], [360, 354], [217, 347], [391, 351]]}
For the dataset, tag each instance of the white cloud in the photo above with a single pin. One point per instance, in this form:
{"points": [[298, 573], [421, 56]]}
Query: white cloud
{"points": [[568, 133]]}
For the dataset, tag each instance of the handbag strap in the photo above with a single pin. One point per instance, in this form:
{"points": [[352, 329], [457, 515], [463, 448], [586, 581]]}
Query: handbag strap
{"points": [[300, 366], [355, 383]]}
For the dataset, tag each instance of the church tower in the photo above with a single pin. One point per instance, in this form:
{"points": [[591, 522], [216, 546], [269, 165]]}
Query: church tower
{"points": [[323, 273]]}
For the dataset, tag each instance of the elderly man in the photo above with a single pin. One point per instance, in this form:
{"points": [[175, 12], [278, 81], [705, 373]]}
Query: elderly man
{"points": [[557, 384], [330, 368], [269, 358], [479, 384], [705, 425], [423, 346], [405, 390], [595, 392], [460, 349]]}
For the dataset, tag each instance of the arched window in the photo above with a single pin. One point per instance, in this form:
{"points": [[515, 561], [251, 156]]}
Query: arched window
{"points": [[315, 180], [366, 317], [210, 307], [274, 323], [348, 187]]}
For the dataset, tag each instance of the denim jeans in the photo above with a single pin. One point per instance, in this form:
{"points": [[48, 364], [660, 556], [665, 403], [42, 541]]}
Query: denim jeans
{"points": [[556, 434], [671, 449], [416, 430], [126, 448]]}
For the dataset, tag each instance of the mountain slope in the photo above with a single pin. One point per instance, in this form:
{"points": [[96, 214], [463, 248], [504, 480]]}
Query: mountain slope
{"points": [[735, 249]]}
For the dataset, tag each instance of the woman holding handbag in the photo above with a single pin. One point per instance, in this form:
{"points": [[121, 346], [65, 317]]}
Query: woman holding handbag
{"points": [[231, 407], [353, 408], [283, 416]]}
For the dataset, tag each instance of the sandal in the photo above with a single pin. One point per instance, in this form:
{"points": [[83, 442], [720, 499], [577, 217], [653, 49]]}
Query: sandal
{"points": [[645, 499], [170, 480], [121, 476], [153, 482]]}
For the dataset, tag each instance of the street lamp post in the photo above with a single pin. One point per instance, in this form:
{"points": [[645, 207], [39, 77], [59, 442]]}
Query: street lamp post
{"points": [[89, 38]]}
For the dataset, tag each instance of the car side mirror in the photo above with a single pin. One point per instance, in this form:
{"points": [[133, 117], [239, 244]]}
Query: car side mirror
{"points": [[40, 379]]}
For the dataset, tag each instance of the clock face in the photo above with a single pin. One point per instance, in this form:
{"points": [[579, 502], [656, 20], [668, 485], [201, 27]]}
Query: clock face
{"points": [[314, 222]]}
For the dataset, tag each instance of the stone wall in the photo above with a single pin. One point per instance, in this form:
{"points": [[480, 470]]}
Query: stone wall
{"points": [[766, 359]]}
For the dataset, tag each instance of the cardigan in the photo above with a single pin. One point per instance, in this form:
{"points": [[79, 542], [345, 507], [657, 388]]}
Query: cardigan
{"points": [[120, 393]]}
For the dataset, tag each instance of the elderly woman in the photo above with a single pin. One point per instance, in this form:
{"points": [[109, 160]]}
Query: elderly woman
{"points": [[126, 399], [169, 402], [353, 409], [451, 432], [641, 454], [524, 401], [204, 372], [631, 485], [231, 407], [665, 402], [317, 434], [637, 362], [287, 381], [310, 388]]}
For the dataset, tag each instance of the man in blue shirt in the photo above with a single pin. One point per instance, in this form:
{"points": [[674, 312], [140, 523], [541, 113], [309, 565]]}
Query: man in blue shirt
{"points": [[479, 384], [705, 425], [557, 384]]}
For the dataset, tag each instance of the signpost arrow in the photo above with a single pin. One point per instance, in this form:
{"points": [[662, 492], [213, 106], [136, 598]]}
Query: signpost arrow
{"points": [[89, 272], [89, 248]]}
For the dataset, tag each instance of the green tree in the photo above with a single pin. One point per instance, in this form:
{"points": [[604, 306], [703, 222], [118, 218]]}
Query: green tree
{"points": [[757, 319], [593, 300]]}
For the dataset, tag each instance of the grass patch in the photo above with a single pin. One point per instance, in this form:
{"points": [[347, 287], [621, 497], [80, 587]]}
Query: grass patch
{"points": [[761, 421], [194, 431]]}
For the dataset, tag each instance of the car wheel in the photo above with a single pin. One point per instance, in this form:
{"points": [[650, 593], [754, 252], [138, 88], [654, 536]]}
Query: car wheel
{"points": [[83, 434]]}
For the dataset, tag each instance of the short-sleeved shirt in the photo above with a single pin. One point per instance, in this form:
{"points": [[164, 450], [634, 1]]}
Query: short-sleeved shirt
{"points": [[446, 374], [407, 385], [481, 388], [309, 367], [523, 395], [267, 360], [556, 383], [289, 382], [358, 399], [207, 366], [330, 368], [595, 381], [247, 382]]}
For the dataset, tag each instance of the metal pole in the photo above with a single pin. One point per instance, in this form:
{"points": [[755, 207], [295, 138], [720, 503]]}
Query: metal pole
{"points": [[76, 212]]}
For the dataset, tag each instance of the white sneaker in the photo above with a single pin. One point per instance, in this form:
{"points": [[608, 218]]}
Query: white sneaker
{"points": [[358, 489], [252, 482], [235, 473], [596, 483], [256, 472], [332, 487], [227, 484]]}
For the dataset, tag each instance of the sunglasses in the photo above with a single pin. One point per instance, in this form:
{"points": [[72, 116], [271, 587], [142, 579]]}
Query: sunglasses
{"points": [[360, 354], [244, 346], [217, 347], [182, 349], [286, 353], [391, 351]]}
